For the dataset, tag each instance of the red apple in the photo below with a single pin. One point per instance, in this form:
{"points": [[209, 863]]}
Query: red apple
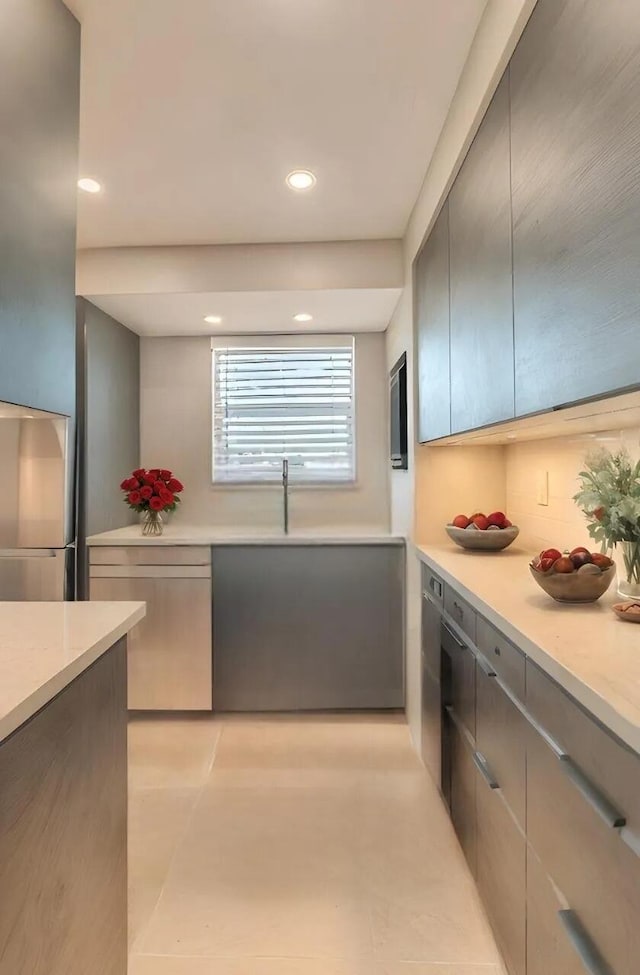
{"points": [[580, 548], [481, 522], [563, 564], [507, 523], [497, 518], [546, 564], [460, 521], [551, 553], [602, 561], [477, 514]]}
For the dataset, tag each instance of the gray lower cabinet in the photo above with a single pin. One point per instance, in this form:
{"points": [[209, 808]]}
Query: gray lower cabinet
{"points": [[431, 305], [482, 384], [546, 805], [462, 787], [501, 852], [575, 140], [306, 627], [549, 947]]}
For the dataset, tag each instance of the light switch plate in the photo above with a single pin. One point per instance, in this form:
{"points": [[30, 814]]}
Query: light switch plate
{"points": [[542, 488]]}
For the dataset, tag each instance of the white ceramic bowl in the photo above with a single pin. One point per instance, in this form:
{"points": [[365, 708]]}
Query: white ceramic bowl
{"points": [[486, 541]]}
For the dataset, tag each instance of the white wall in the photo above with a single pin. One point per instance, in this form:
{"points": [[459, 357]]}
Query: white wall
{"points": [[502, 23], [175, 421]]}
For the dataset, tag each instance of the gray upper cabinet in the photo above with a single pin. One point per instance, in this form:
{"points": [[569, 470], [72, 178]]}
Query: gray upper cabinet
{"points": [[39, 112], [482, 383], [431, 277], [575, 127]]}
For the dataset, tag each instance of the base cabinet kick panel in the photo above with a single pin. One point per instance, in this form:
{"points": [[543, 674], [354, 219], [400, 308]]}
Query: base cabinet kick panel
{"points": [[170, 651]]}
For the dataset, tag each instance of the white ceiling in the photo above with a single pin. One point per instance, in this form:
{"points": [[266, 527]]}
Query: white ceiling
{"points": [[193, 113], [353, 310]]}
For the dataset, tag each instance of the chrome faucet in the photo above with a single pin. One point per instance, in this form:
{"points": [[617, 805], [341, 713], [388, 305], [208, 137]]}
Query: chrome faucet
{"points": [[285, 492]]}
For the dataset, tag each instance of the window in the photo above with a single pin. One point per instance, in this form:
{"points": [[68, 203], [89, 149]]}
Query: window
{"points": [[272, 403]]}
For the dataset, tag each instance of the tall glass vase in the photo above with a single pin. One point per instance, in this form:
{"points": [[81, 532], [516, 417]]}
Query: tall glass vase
{"points": [[630, 586], [152, 523]]}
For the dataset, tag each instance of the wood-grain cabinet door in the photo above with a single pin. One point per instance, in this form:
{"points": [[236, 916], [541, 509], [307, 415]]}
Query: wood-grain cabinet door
{"points": [[575, 135], [482, 382], [169, 654], [431, 282]]}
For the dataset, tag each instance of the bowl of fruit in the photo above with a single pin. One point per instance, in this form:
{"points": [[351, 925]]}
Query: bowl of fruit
{"points": [[579, 576], [486, 532]]}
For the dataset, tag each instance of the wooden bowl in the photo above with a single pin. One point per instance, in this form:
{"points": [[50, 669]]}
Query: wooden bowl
{"points": [[486, 541], [571, 587], [618, 609]]}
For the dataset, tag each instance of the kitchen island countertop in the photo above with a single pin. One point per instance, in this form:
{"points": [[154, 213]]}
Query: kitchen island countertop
{"points": [[45, 646], [594, 656]]}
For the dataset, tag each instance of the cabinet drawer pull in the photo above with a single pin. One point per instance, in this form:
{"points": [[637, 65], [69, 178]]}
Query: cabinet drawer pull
{"points": [[485, 666], [436, 586], [599, 803], [589, 955], [482, 765], [455, 639], [459, 610]]}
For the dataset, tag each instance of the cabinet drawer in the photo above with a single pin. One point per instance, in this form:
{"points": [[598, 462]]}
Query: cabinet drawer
{"points": [[150, 555], [501, 874], [548, 946], [432, 585], [609, 764], [501, 737], [595, 870], [507, 661], [460, 612], [459, 678]]}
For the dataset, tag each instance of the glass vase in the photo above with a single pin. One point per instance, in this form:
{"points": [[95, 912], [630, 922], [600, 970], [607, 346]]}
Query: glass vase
{"points": [[629, 587], [152, 523]]}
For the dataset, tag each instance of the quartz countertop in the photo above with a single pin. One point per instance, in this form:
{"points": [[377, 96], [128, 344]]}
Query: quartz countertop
{"points": [[590, 652], [44, 646], [178, 534]]}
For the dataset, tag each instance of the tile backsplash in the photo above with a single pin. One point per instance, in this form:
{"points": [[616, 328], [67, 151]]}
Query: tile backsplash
{"points": [[560, 523]]}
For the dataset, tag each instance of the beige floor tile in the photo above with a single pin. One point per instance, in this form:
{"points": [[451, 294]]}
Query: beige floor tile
{"points": [[158, 965], [265, 872], [171, 751], [157, 821], [413, 968], [333, 742]]}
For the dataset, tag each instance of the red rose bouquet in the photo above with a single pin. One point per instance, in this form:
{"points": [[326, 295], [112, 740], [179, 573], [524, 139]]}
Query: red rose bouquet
{"points": [[152, 492]]}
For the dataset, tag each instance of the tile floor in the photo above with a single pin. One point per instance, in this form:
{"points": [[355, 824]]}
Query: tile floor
{"points": [[312, 845]]}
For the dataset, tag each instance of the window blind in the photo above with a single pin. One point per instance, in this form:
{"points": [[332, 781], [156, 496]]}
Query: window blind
{"points": [[273, 403]]}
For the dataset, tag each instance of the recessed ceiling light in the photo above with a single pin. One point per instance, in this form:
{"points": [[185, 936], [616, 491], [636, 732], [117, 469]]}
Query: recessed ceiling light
{"points": [[212, 319], [301, 179], [303, 316], [89, 185]]}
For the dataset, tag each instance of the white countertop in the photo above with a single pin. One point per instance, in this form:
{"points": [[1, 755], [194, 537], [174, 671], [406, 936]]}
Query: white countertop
{"points": [[44, 646], [177, 534], [585, 648]]}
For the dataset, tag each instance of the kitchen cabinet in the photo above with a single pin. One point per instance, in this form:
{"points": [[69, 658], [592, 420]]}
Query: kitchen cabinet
{"points": [[501, 851], [39, 109], [308, 627], [169, 658], [431, 308], [432, 594], [545, 802], [482, 382], [461, 788], [575, 141]]}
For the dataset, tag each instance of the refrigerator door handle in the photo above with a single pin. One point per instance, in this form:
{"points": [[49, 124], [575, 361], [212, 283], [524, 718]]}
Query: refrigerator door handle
{"points": [[29, 553]]}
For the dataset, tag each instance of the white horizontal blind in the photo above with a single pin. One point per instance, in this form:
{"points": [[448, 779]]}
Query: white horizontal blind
{"points": [[271, 403]]}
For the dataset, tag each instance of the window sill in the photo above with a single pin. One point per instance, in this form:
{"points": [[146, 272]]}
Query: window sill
{"points": [[293, 486]]}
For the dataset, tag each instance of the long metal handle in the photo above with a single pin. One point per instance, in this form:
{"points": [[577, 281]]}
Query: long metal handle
{"points": [[285, 491], [436, 586], [591, 959], [485, 666], [482, 765], [599, 803], [455, 639]]}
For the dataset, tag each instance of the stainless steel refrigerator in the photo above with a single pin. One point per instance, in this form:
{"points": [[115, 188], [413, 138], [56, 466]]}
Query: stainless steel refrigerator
{"points": [[36, 507]]}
